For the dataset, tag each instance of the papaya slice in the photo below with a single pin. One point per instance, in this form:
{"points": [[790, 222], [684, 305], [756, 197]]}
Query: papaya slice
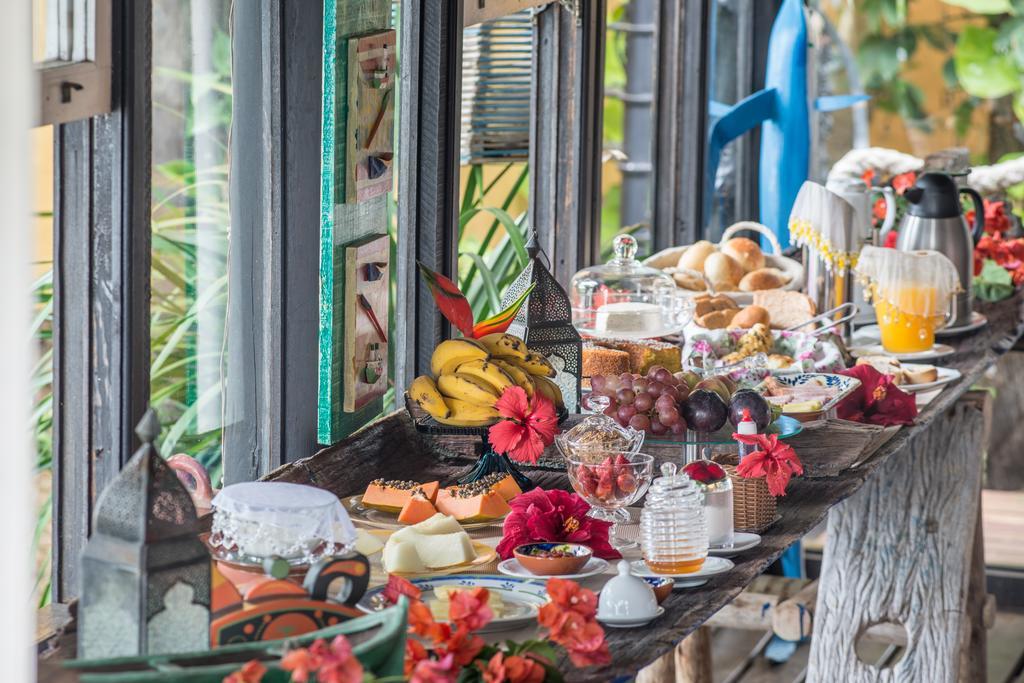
{"points": [[467, 505], [417, 509], [392, 495]]}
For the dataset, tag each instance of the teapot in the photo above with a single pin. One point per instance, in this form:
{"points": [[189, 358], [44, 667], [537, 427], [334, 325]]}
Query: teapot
{"points": [[935, 221]]}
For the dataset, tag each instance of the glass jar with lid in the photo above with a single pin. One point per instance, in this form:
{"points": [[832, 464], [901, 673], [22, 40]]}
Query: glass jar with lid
{"points": [[598, 433], [673, 524], [624, 298]]}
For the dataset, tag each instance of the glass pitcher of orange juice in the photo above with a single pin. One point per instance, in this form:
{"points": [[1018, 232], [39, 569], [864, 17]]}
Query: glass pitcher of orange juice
{"points": [[912, 293]]}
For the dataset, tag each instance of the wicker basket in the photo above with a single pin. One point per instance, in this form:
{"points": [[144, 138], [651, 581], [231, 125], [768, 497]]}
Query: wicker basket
{"points": [[753, 507]]}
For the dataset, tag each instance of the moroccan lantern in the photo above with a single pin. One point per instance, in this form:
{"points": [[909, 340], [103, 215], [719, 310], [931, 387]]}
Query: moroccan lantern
{"points": [[545, 323], [145, 573]]}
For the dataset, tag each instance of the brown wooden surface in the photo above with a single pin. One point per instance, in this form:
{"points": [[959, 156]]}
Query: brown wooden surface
{"points": [[392, 448]]}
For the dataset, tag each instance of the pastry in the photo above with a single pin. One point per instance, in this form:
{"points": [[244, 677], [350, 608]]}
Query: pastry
{"points": [[785, 309], [745, 252], [628, 317], [721, 268], [758, 339], [763, 278], [598, 360], [694, 256], [750, 316], [706, 303]]}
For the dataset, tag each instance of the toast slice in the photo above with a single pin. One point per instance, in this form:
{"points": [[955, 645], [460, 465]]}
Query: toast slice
{"points": [[785, 308]]}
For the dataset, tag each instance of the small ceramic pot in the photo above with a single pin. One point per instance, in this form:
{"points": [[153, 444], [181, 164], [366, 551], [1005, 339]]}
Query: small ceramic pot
{"points": [[661, 585], [575, 556], [626, 597]]}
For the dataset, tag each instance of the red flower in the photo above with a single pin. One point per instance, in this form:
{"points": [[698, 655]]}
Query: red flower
{"points": [[868, 176], [996, 221], [512, 669], [414, 654], [569, 596], [774, 461], [878, 209], [877, 400], [904, 181], [469, 609], [463, 647], [556, 516], [435, 671], [704, 471], [422, 624], [397, 587], [582, 638], [890, 239], [334, 664], [251, 672], [301, 662], [528, 428]]}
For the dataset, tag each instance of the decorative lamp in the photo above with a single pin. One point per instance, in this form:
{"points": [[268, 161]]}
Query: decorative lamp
{"points": [[145, 573], [544, 322]]}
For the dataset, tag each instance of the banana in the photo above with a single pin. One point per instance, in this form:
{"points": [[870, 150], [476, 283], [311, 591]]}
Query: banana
{"points": [[465, 414], [501, 344], [424, 392], [452, 353], [549, 390], [467, 388], [518, 375], [488, 372], [533, 363]]}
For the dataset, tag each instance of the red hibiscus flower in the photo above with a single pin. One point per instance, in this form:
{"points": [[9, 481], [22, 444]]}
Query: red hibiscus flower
{"points": [[469, 609], [512, 669], [251, 672], [774, 461], [435, 671], [555, 516], [904, 181], [877, 400], [528, 426], [396, 587], [890, 239]]}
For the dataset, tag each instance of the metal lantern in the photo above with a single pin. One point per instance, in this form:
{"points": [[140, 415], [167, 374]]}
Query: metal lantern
{"points": [[145, 573], [545, 324]]}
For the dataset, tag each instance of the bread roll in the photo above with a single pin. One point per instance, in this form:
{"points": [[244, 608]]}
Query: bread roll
{"points": [[920, 374], [745, 252], [688, 279], [716, 320], [695, 255], [786, 309], [763, 278], [721, 268], [750, 316], [724, 287]]}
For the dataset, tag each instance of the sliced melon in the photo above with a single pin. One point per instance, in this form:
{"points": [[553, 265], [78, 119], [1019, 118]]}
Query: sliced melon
{"points": [[467, 506], [438, 524], [402, 556], [417, 509], [391, 496], [445, 550]]}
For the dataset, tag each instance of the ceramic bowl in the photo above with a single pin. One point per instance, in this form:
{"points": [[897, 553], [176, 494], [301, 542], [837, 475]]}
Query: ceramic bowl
{"points": [[626, 597], [575, 557], [661, 585]]}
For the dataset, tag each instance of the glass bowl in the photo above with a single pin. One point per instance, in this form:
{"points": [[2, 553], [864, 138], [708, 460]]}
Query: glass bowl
{"points": [[610, 481]]}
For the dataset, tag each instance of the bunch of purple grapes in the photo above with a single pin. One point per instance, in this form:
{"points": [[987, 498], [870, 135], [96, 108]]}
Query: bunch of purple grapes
{"points": [[651, 403]]}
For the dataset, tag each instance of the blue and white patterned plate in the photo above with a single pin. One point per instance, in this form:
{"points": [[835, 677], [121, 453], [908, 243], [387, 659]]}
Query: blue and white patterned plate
{"points": [[842, 384], [521, 597]]}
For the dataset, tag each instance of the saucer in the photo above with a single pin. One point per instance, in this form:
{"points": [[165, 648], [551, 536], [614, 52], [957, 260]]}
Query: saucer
{"points": [[740, 541], [977, 322], [712, 566], [631, 623], [937, 351], [512, 567]]}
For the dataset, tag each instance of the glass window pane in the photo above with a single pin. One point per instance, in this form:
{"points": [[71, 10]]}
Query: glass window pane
{"points": [[191, 222]]}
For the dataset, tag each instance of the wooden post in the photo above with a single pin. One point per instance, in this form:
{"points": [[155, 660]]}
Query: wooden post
{"points": [[690, 662], [899, 550]]}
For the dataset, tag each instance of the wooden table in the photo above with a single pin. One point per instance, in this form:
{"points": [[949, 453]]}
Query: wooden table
{"points": [[901, 547]]}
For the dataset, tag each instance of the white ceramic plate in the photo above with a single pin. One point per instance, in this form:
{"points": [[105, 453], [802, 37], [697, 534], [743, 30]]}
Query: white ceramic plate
{"points": [[631, 623], [512, 567], [937, 351], [712, 566], [977, 322], [522, 598], [946, 375], [740, 541]]}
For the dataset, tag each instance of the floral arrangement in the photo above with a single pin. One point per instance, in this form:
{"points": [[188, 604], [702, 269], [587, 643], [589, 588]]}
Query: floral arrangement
{"points": [[555, 516], [900, 184], [877, 400], [774, 461], [454, 306], [449, 652], [527, 426]]}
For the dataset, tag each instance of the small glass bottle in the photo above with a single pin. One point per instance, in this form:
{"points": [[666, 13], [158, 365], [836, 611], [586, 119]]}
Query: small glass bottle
{"points": [[747, 427], [673, 525]]}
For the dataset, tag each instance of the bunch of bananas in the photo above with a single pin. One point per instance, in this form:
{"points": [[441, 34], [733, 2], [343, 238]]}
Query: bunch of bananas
{"points": [[469, 375]]}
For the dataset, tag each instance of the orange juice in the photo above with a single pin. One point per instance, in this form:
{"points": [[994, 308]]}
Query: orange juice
{"points": [[908, 317]]}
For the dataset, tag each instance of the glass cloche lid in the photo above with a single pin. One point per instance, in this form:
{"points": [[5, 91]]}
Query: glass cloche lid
{"points": [[624, 298]]}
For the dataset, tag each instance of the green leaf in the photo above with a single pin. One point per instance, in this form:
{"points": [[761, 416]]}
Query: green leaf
{"points": [[949, 75], [980, 69], [962, 116], [879, 59], [994, 283], [1018, 106], [983, 6]]}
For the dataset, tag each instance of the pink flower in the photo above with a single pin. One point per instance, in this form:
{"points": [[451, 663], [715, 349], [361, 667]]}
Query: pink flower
{"points": [[890, 239], [528, 427], [774, 461], [251, 672], [904, 181], [512, 669], [556, 516], [334, 664], [397, 587], [877, 400], [570, 620], [470, 609], [435, 671]]}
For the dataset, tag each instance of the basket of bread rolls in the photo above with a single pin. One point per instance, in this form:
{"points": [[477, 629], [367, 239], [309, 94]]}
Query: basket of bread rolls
{"points": [[736, 266]]}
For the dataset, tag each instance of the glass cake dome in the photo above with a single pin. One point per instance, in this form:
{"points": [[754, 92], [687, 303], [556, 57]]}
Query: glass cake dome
{"points": [[624, 298]]}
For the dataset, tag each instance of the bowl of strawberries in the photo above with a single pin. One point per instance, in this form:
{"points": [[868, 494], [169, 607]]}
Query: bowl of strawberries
{"points": [[609, 481]]}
